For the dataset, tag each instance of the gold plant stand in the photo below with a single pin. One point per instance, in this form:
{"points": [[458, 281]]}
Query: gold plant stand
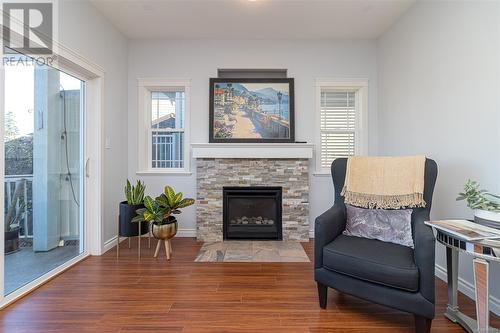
{"points": [[168, 248], [164, 233]]}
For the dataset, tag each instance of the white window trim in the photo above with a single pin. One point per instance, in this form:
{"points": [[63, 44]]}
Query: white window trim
{"points": [[145, 86], [360, 85]]}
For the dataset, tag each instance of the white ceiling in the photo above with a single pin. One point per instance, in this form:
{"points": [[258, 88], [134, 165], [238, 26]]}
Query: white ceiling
{"points": [[257, 19]]}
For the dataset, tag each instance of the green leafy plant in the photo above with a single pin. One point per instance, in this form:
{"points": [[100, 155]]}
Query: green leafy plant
{"points": [[134, 194], [15, 211], [158, 210], [152, 212], [479, 199]]}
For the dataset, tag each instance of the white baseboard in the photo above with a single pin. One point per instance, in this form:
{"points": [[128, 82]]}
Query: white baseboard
{"points": [[110, 243], [186, 233], [467, 288]]}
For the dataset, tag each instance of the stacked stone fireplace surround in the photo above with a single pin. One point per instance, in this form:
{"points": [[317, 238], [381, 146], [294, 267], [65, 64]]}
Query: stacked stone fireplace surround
{"points": [[212, 174]]}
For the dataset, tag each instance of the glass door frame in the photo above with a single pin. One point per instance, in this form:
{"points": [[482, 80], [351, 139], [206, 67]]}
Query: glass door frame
{"points": [[91, 165]]}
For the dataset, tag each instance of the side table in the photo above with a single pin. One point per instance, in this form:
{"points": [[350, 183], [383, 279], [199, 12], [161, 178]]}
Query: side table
{"points": [[483, 252]]}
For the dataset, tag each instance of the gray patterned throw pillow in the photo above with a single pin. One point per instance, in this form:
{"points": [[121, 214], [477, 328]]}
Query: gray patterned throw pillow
{"points": [[392, 226]]}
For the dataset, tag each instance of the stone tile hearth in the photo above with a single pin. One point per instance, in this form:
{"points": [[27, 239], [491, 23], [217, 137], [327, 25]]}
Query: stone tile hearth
{"points": [[252, 251], [215, 173]]}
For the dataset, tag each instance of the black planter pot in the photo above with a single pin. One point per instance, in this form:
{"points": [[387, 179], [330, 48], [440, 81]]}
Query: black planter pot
{"points": [[127, 227], [11, 241]]}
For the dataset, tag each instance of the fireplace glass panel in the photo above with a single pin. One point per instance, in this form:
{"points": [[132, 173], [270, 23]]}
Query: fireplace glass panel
{"points": [[252, 213]]}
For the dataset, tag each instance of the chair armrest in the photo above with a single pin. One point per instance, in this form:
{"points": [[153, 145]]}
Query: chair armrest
{"points": [[327, 227], [425, 247]]}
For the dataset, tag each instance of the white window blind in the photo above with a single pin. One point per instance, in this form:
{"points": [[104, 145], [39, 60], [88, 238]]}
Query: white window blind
{"points": [[338, 125]]}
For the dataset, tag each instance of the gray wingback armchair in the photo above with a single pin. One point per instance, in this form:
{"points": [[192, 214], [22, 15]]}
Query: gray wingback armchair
{"points": [[384, 273]]}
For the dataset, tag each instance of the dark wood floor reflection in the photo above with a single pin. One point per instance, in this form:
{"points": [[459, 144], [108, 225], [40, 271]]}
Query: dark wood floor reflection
{"points": [[105, 294]]}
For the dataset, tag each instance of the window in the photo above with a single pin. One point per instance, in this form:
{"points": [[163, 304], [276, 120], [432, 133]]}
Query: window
{"points": [[163, 143], [167, 129], [342, 108]]}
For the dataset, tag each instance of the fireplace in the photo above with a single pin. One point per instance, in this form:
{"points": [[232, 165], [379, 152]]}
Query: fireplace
{"points": [[215, 173], [252, 212]]}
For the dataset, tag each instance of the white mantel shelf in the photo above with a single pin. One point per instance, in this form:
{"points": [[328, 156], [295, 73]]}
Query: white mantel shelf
{"points": [[252, 150]]}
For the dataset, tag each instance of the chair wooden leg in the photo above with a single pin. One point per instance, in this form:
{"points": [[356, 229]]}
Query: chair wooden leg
{"points": [[422, 324], [323, 295]]}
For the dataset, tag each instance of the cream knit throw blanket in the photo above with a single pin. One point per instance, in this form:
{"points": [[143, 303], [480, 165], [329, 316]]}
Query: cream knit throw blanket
{"points": [[385, 182]]}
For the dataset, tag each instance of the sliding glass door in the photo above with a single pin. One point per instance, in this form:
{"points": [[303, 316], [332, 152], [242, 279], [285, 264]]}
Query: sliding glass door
{"points": [[43, 181]]}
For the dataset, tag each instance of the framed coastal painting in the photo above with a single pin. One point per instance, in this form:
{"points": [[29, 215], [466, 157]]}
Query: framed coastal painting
{"points": [[251, 110]]}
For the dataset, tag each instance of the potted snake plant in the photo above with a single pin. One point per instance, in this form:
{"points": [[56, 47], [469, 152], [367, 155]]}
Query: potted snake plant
{"points": [[15, 214], [159, 212], [134, 200], [486, 205]]}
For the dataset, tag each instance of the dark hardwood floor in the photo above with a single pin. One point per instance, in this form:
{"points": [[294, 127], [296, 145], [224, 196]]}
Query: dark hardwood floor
{"points": [[105, 294]]}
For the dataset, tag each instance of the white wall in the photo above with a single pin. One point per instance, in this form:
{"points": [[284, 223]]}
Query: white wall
{"points": [[199, 60], [84, 30], [438, 96]]}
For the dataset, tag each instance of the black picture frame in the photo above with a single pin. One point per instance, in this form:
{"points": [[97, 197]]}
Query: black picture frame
{"points": [[291, 111]]}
